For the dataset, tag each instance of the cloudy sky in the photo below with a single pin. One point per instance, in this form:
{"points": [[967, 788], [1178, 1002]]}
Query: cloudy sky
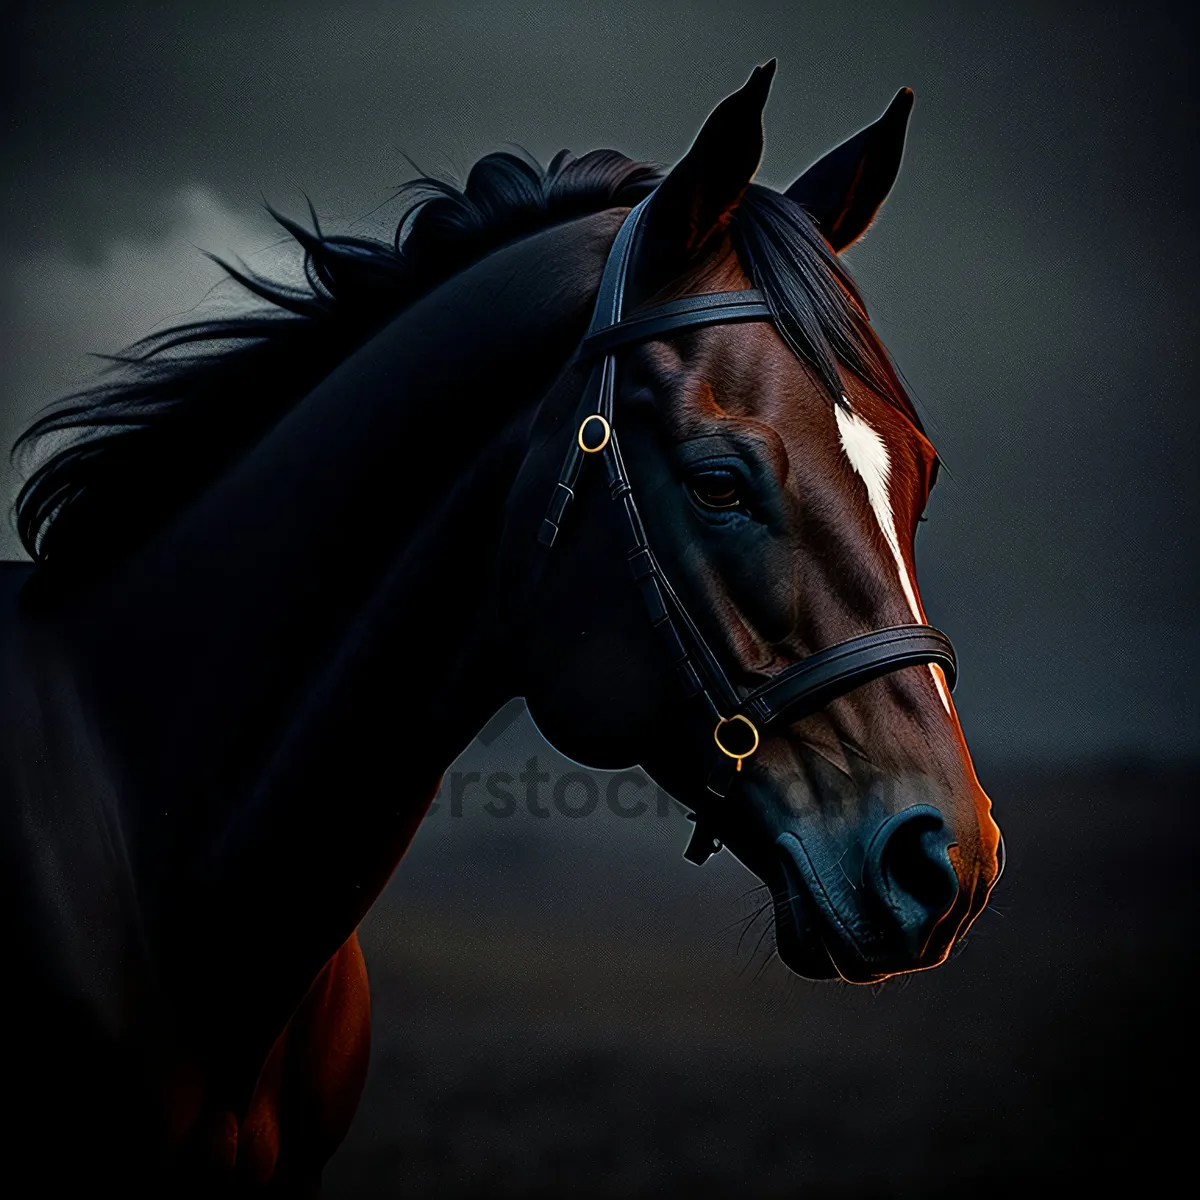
{"points": [[1034, 272]]}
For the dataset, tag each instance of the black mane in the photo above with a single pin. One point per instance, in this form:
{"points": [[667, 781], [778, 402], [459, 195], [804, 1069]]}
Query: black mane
{"points": [[186, 402]]}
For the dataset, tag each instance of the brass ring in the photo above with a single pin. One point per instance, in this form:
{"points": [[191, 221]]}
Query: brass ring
{"points": [[603, 441], [723, 749]]}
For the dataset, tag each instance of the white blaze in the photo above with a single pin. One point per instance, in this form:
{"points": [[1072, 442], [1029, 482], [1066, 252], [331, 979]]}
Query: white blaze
{"points": [[869, 457]]}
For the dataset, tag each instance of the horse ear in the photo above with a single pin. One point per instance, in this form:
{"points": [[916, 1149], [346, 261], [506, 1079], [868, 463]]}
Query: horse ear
{"points": [[697, 199], [844, 190]]}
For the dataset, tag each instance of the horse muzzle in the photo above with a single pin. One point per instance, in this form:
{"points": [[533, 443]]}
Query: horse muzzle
{"points": [[885, 903]]}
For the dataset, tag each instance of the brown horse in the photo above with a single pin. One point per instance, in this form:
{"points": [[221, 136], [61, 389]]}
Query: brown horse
{"points": [[280, 584]]}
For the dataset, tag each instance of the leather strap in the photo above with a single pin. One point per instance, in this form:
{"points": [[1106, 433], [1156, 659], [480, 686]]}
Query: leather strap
{"points": [[708, 308], [607, 311], [821, 677]]}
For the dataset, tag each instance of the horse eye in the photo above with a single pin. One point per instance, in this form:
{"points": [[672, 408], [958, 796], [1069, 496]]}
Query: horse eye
{"points": [[715, 490]]}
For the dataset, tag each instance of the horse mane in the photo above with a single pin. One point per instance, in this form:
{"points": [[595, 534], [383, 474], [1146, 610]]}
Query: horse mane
{"points": [[184, 403]]}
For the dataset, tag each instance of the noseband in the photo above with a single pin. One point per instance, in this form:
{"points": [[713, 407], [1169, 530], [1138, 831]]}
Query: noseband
{"points": [[802, 688]]}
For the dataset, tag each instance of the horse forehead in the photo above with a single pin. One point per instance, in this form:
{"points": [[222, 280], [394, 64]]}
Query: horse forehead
{"points": [[748, 373], [784, 394]]}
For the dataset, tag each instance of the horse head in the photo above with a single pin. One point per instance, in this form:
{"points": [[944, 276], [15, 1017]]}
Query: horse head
{"points": [[778, 472]]}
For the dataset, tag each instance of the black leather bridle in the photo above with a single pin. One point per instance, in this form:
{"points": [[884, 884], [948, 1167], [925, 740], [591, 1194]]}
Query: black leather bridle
{"points": [[802, 688]]}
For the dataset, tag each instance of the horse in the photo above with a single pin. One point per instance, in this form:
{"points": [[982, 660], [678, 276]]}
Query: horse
{"points": [[287, 563]]}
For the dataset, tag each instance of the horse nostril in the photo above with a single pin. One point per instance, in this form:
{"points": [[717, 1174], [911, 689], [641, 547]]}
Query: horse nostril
{"points": [[908, 865], [917, 868]]}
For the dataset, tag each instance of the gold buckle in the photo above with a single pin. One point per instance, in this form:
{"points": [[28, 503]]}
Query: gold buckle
{"points": [[725, 749], [603, 441]]}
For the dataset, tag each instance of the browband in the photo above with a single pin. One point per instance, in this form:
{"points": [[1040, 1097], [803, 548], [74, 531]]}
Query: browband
{"points": [[710, 308]]}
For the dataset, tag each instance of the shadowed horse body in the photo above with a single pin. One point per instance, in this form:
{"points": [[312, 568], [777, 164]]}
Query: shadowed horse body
{"points": [[281, 582]]}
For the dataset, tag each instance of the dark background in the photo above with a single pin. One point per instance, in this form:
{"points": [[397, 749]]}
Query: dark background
{"points": [[562, 1003]]}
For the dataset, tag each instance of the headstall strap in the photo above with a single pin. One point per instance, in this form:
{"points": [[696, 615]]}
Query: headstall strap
{"points": [[805, 686]]}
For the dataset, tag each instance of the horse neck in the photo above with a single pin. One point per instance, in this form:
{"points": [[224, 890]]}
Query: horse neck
{"points": [[307, 851], [283, 672], [198, 647]]}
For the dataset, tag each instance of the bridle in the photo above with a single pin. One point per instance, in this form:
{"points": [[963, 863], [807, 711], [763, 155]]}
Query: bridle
{"points": [[802, 688]]}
